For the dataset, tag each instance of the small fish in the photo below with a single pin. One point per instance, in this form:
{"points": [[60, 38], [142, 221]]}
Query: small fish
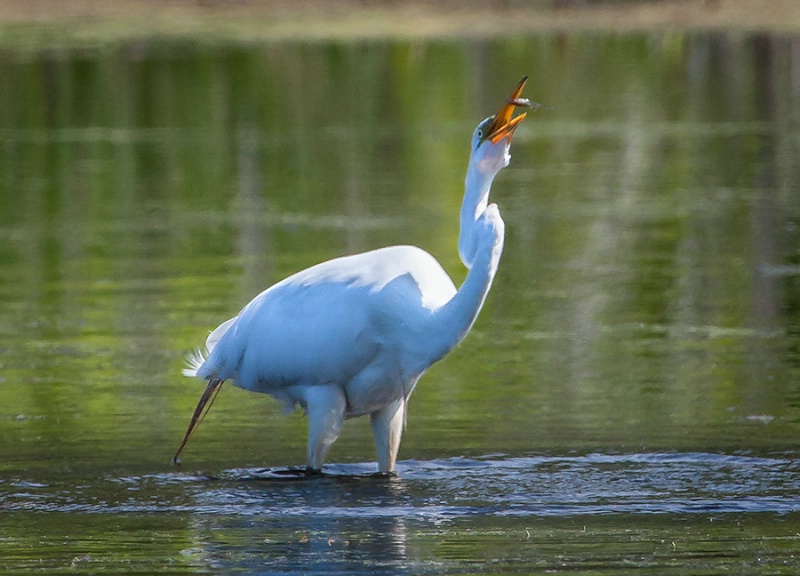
{"points": [[524, 103]]}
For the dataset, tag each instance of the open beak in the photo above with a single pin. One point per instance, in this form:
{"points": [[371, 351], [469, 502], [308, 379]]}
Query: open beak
{"points": [[503, 125], [210, 393]]}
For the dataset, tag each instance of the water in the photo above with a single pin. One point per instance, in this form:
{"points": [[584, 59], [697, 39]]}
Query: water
{"points": [[593, 512], [628, 401], [596, 511]]}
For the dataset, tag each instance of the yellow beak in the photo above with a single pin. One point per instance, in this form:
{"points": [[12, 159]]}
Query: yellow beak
{"points": [[503, 125]]}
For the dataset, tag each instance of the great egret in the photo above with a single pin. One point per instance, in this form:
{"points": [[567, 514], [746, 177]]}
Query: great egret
{"points": [[352, 336]]}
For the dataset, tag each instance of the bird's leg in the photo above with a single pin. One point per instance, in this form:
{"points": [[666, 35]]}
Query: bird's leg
{"points": [[387, 427], [325, 408]]}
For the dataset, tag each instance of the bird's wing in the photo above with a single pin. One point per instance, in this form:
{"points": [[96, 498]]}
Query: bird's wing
{"points": [[326, 323], [375, 269], [218, 333]]}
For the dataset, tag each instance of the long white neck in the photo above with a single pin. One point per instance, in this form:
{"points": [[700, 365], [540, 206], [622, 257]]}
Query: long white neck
{"points": [[476, 196], [480, 247]]}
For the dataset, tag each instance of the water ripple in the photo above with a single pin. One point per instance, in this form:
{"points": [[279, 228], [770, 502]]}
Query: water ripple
{"points": [[439, 490]]}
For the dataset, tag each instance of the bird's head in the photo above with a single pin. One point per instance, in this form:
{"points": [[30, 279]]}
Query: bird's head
{"points": [[491, 140]]}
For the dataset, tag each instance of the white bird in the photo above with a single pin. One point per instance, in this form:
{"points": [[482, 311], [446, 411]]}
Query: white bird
{"points": [[353, 335]]}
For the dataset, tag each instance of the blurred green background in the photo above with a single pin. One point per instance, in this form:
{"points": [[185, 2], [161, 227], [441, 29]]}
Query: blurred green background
{"points": [[647, 297]]}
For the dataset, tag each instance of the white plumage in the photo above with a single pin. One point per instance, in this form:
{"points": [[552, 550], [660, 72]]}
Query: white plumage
{"points": [[352, 336]]}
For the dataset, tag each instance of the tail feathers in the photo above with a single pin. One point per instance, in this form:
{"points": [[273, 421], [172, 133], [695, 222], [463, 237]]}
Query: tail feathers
{"points": [[194, 360], [198, 357]]}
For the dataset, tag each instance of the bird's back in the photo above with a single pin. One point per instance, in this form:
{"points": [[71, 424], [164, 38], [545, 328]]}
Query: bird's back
{"points": [[328, 322]]}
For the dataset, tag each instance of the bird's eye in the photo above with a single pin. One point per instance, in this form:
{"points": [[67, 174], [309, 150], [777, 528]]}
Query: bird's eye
{"points": [[480, 133]]}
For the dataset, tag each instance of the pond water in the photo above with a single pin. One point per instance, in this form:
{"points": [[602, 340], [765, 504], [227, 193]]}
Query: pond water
{"points": [[628, 401]]}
